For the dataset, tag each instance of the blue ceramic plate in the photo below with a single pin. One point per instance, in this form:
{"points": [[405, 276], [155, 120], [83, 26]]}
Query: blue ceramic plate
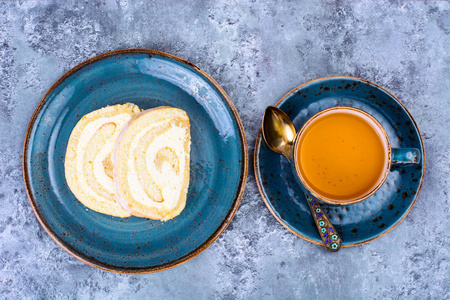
{"points": [[360, 222], [218, 161]]}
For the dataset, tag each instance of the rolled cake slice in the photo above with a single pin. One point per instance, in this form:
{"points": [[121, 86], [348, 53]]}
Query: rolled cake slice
{"points": [[88, 164], [151, 163]]}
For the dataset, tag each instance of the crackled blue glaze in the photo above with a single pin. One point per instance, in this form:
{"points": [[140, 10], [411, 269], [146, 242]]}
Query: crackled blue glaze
{"points": [[359, 222], [218, 160]]}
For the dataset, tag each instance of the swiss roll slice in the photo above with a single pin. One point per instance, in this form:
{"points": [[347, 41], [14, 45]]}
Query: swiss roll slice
{"points": [[151, 163], [88, 163]]}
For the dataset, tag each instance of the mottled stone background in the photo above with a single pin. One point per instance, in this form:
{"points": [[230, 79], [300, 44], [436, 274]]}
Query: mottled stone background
{"points": [[257, 51]]}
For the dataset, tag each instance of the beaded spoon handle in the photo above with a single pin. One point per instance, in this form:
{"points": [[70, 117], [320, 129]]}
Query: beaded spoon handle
{"points": [[330, 238]]}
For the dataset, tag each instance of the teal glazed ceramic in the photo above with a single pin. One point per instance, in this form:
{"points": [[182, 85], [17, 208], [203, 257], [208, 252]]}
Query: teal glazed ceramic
{"points": [[359, 222], [148, 79]]}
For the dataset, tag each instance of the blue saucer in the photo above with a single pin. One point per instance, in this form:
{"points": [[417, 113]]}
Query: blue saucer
{"points": [[218, 161], [356, 223]]}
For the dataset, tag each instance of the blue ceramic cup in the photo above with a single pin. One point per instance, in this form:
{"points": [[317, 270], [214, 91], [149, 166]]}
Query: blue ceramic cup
{"points": [[393, 156]]}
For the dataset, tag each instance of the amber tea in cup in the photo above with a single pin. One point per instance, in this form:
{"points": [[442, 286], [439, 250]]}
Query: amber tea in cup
{"points": [[342, 155]]}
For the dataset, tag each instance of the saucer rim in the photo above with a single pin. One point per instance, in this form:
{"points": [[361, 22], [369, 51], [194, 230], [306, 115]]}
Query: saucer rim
{"points": [[257, 149]]}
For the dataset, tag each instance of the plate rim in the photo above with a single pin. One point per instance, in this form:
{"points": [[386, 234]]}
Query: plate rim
{"points": [[256, 161], [148, 269]]}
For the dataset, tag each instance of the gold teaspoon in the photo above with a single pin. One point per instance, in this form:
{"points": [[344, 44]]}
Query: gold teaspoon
{"points": [[279, 134]]}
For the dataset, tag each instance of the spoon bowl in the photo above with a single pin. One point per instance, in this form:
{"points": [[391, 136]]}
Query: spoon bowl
{"points": [[278, 131]]}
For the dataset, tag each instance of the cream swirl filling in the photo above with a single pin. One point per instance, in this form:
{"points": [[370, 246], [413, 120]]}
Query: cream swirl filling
{"points": [[157, 164], [94, 155]]}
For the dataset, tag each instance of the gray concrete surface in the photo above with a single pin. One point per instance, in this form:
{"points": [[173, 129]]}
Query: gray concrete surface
{"points": [[257, 51]]}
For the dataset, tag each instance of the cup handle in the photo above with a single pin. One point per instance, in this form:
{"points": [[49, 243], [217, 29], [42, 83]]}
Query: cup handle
{"points": [[330, 237], [405, 156]]}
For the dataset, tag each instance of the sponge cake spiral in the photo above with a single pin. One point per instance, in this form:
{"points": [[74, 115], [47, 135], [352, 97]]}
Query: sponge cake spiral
{"points": [[88, 163], [151, 163]]}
